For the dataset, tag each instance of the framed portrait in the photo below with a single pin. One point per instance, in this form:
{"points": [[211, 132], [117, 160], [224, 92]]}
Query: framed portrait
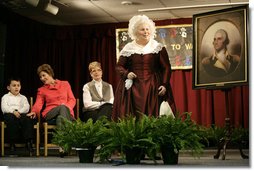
{"points": [[176, 38], [220, 48]]}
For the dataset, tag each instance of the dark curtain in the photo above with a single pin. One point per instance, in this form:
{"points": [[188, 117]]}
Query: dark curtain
{"points": [[69, 50]]}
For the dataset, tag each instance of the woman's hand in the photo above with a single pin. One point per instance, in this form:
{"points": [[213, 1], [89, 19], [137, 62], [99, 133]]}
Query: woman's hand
{"points": [[131, 75], [32, 115], [162, 90]]}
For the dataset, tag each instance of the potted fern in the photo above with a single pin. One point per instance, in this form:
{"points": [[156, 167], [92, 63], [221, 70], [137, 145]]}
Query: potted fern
{"points": [[131, 136], [174, 134], [84, 136]]}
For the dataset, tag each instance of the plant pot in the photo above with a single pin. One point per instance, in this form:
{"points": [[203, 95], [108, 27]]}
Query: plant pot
{"points": [[169, 155], [133, 155], [86, 155]]}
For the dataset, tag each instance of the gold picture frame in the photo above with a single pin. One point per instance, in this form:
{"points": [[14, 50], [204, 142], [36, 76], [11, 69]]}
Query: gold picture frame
{"points": [[213, 68]]}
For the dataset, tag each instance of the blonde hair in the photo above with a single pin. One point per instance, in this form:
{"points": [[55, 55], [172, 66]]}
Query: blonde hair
{"points": [[93, 65], [136, 21], [46, 68]]}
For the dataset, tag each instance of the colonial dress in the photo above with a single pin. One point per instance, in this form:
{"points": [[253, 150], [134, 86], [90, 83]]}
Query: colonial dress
{"points": [[151, 65]]}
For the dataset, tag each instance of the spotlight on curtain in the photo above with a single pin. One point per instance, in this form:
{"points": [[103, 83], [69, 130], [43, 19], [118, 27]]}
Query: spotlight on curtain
{"points": [[33, 2], [51, 8]]}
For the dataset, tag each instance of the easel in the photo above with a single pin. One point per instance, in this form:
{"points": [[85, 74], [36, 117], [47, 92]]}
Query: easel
{"points": [[227, 137]]}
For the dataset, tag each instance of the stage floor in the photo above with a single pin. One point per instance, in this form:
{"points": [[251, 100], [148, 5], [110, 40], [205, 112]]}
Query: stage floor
{"points": [[233, 160]]}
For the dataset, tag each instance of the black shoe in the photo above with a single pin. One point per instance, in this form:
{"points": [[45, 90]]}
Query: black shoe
{"points": [[62, 154], [12, 148], [143, 156], [29, 146], [157, 157]]}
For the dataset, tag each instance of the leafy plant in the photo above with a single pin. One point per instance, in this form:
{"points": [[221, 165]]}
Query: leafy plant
{"points": [[126, 134], [204, 135], [180, 132], [240, 135], [215, 134], [79, 134], [62, 136]]}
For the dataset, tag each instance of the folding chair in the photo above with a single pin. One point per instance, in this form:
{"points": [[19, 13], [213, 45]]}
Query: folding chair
{"points": [[49, 127]]}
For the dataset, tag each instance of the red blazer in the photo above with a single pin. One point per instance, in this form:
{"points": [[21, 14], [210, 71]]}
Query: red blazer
{"points": [[53, 96]]}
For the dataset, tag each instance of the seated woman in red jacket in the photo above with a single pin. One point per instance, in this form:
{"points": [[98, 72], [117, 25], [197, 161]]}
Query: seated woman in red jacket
{"points": [[56, 95]]}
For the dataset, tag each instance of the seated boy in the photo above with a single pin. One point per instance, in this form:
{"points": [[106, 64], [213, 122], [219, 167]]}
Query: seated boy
{"points": [[15, 106]]}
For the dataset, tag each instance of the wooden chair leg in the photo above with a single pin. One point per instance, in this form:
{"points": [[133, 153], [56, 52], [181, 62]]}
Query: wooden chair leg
{"points": [[45, 139], [38, 140], [2, 138]]}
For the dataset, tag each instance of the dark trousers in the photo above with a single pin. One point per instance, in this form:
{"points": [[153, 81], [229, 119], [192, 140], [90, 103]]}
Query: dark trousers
{"points": [[104, 110], [19, 126], [59, 114]]}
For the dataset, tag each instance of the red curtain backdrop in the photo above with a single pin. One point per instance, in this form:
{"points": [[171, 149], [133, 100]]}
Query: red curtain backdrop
{"points": [[69, 50], [209, 106]]}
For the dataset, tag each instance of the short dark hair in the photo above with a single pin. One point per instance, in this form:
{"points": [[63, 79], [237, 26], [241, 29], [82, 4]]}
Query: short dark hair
{"points": [[46, 68], [12, 79]]}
